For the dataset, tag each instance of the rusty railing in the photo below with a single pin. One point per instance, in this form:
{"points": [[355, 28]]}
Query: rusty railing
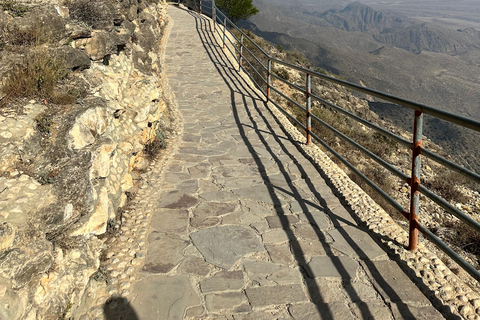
{"points": [[261, 74]]}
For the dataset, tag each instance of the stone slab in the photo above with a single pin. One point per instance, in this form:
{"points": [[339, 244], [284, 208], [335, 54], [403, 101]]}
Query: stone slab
{"points": [[277, 236], [169, 220], [195, 266], [213, 209], [356, 243], [310, 311], [281, 221], [223, 281], [403, 311], [224, 245], [176, 200], [276, 295], [164, 252], [235, 301], [163, 297], [393, 284], [280, 254], [374, 310], [332, 266]]}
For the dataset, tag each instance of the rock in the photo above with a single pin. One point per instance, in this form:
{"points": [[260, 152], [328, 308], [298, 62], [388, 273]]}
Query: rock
{"points": [[7, 235], [224, 245], [74, 59], [103, 43], [96, 222]]}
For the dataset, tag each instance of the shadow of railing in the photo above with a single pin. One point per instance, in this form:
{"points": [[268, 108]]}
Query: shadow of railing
{"points": [[254, 108]]}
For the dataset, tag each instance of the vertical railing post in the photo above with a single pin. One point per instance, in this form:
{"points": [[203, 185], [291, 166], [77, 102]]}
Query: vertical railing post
{"points": [[415, 179], [309, 109], [224, 31], [241, 54], [269, 78], [214, 14], [200, 6]]}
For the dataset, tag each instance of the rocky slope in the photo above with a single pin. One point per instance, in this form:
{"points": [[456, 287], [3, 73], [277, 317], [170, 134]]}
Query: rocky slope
{"points": [[72, 153]]}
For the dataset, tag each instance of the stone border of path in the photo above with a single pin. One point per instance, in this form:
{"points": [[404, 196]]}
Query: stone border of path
{"points": [[447, 291], [126, 250]]}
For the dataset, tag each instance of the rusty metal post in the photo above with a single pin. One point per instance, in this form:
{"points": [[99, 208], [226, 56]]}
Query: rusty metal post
{"points": [[241, 54], [214, 14], [224, 31], [269, 78], [309, 109], [415, 179], [200, 6]]}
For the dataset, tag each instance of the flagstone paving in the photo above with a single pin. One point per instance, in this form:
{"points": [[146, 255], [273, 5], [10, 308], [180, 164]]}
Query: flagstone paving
{"points": [[243, 226]]}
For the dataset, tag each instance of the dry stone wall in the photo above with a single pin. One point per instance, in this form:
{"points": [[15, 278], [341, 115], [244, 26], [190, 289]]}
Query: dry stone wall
{"points": [[62, 187]]}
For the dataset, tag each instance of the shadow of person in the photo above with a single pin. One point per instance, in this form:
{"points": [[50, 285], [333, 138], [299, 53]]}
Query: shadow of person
{"points": [[119, 308]]}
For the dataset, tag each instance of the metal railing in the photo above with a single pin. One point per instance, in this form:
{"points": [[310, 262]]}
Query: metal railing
{"points": [[261, 73]]}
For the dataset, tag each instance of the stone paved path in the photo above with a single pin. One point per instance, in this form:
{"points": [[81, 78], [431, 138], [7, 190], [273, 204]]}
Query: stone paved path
{"points": [[244, 227]]}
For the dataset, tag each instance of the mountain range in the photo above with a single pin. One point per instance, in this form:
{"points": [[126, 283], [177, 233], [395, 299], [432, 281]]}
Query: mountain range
{"points": [[386, 51]]}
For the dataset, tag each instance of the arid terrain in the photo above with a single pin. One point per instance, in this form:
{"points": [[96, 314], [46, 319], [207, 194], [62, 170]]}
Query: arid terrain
{"points": [[424, 52]]}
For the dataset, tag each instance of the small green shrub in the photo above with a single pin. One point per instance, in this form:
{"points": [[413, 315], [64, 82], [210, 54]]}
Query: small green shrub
{"points": [[153, 147], [15, 9], [44, 123]]}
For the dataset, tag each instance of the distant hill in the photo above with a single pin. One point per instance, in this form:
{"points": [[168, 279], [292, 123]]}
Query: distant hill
{"points": [[421, 62], [399, 31]]}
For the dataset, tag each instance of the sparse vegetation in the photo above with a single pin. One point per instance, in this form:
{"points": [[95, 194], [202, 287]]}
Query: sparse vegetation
{"points": [[153, 147], [43, 124], [15, 9], [37, 76], [89, 12]]}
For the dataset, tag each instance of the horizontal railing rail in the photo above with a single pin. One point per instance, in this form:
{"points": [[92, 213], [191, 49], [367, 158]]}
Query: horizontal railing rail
{"points": [[243, 48]]}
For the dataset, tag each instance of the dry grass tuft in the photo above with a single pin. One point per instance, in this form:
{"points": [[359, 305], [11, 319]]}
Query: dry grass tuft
{"points": [[37, 76]]}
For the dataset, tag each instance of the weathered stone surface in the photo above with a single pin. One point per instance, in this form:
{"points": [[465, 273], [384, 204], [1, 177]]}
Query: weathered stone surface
{"points": [[74, 58], [403, 311], [7, 235], [308, 248], [281, 221], [393, 285], [315, 217], [169, 220], [310, 311], [259, 193], [212, 209], [325, 290], [224, 301], [280, 254], [282, 294], [277, 236], [268, 274], [277, 314], [308, 232], [329, 266], [201, 223], [224, 245], [196, 266], [177, 200], [375, 310], [223, 281], [218, 196], [164, 252], [355, 242], [163, 298]]}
